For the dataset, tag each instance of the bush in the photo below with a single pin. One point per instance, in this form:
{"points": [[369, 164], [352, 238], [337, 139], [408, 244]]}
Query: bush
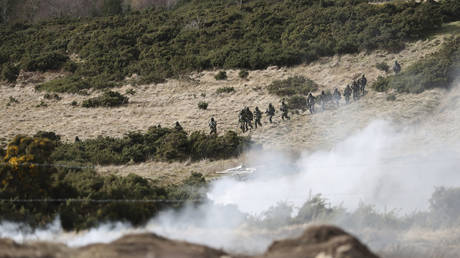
{"points": [[107, 99], [203, 105], [383, 67], [72, 84], [10, 73], [381, 84], [291, 86], [222, 75], [243, 74], [163, 144], [297, 102], [391, 97], [44, 62], [225, 90]]}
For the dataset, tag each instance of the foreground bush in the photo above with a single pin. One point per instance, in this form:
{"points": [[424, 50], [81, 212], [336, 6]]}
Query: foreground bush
{"points": [[165, 144], [107, 99], [292, 85], [35, 190]]}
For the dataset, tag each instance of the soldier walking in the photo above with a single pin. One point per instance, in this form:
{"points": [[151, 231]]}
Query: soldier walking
{"points": [[355, 90], [270, 112], [284, 110], [347, 94], [336, 95], [323, 100], [396, 67], [362, 83], [178, 127], [213, 126], [257, 116], [311, 103], [249, 117], [242, 120]]}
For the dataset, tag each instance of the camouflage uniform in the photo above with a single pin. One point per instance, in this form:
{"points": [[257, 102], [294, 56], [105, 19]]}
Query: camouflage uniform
{"points": [[213, 126], [355, 90], [323, 99], [242, 120], [178, 127], [336, 95], [311, 103], [257, 116], [270, 112], [347, 94], [284, 109], [362, 84], [249, 117], [396, 67]]}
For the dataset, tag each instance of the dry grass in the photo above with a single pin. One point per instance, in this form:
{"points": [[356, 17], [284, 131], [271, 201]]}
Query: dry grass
{"points": [[177, 100]]}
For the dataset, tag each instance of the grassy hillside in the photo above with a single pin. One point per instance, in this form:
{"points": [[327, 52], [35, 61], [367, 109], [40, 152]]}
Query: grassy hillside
{"points": [[196, 35]]}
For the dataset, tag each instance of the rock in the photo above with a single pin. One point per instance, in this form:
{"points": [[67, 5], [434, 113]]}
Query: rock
{"points": [[320, 242]]}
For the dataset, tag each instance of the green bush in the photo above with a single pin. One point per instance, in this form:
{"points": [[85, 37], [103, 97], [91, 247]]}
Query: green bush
{"points": [[160, 42], [291, 86], [163, 144], [72, 84], [243, 74], [383, 67], [107, 99], [297, 102], [381, 84], [222, 75], [391, 97], [10, 72], [44, 62], [203, 105], [225, 90]]}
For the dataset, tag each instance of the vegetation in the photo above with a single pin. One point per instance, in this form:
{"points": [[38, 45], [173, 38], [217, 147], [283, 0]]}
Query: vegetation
{"points": [[28, 173], [291, 86], [436, 70], [225, 90], [383, 67], [165, 144], [203, 105], [297, 102], [9, 73], [195, 35], [107, 99], [222, 75], [243, 74]]}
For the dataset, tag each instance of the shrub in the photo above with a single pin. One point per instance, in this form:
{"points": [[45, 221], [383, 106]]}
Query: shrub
{"points": [[243, 74], [107, 99], [72, 84], [10, 72], [391, 97], [383, 67], [52, 96], [203, 105], [225, 90], [44, 62], [297, 102], [222, 75], [291, 86], [74, 103], [381, 84]]}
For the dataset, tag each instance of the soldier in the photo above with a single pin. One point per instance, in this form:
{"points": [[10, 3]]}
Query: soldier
{"points": [[323, 100], [336, 95], [258, 116], [284, 109], [249, 117], [77, 139], [363, 82], [178, 127], [355, 90], [270, 112], [396, 67], [213, 126], [347, 94], [242, 120], [311, 103]]}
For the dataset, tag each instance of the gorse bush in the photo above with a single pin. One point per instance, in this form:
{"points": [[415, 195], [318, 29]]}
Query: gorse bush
{"points": [[107, 99], [9, 72], [164, 144], [383, 67], [222, 75], [203, 105], [196, 35], [28, 172], [297, 102], [381, 84], [225, 90], [291, 86], [243, 74]]}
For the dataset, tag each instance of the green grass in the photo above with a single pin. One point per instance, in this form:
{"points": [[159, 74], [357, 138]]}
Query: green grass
{"points": [[195, 35]]}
